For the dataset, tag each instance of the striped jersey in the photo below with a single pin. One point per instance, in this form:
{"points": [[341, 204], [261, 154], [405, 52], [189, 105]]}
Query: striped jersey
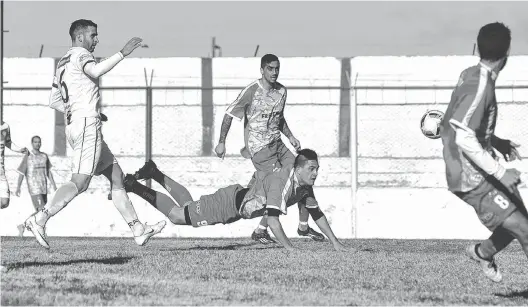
{"points": [[80, 92], [262, 111], [276, 190], [5, 139], [473, 106], [36, 168]]}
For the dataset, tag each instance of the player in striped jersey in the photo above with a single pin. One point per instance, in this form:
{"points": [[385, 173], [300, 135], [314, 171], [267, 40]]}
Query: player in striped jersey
{"points": [[261, 105], [75, 92], [271, 193], [473, 171], [5, 141]]}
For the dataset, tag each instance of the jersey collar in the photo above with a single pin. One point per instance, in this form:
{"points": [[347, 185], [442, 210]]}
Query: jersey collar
{"points": [[494, 75]]}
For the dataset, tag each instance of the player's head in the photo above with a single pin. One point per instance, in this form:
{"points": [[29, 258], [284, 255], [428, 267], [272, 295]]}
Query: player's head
{"points": [[83, 33], [494, 42], [36, 142], [306, 166], [269, 68]]}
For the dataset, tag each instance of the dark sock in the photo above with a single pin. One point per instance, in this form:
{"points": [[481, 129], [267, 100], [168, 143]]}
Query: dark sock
{"points": [[158, 200], [159, 177], [477, 252]]}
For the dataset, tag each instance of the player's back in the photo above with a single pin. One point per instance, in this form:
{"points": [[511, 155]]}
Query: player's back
{"points": [[80, 92], [472, 106]]}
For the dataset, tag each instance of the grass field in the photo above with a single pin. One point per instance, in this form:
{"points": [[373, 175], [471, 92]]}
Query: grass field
{"points": [[110, 271]]}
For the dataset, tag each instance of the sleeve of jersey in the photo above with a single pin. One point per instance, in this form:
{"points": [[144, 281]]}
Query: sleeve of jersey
{"points": [[466, 119], [238, 107], [55, 99], [22, 168], [309, 201], [274, 199], [95, 70]]}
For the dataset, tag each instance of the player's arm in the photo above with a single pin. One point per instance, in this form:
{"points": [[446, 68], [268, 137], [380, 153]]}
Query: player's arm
{"points": [[276, 227], [506, 147], [285, 129], [9, 144], [273, 187], [21, 170], [95, 70], [50, 174], [466, 118], [55, 99], [224, 129]]}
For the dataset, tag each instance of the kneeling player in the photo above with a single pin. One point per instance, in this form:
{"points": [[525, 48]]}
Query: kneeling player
{"points": [[271, 194]]}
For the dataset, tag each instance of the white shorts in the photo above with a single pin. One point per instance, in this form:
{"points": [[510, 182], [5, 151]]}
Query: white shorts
{"points": [[4, 187], [91, 155]]}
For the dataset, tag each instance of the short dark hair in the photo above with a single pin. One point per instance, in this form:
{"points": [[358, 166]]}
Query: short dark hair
{"points": [[494, 41], [34, 137], [268, 58], [79, 25], [305, 155]]}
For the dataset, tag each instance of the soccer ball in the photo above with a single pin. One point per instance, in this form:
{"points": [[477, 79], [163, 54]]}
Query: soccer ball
{"points": [[430, 123]]}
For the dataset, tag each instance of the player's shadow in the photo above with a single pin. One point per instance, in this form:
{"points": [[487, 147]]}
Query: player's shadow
{"points": [[111, 261], [513, 294], [234, 246]]}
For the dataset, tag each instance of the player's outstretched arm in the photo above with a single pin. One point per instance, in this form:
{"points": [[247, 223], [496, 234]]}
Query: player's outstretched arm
{"points": [[16, 148], [226, 124], [97, 70], [276, 227], [321, 221], [287, 132]]}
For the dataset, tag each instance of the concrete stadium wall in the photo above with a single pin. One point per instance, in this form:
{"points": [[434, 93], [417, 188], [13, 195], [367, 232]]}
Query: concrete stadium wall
{"points": [[401, 175]]}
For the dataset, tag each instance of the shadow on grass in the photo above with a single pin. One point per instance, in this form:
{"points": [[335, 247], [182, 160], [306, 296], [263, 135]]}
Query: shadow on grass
{"points": [[513, 294], [228, 247], [112, 261]]}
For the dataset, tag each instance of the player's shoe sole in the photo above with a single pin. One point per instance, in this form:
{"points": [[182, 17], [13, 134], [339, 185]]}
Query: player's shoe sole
{"points": [[146, 171], [312, 234], [37, 230], [489, 268], [149, 232]]}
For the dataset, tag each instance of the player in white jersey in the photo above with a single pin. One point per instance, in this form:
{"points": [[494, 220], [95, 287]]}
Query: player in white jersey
{"points": [[75, 92], [5, 141]]}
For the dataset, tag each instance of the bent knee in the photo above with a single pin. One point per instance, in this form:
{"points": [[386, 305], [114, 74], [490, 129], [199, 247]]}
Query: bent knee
{"points": [[517, 225]]}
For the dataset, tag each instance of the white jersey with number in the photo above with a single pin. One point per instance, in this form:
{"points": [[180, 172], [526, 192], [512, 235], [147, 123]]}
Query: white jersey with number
{"points": [[80, 92]]}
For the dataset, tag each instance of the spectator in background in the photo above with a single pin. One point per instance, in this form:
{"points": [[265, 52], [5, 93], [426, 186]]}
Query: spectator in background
{"points": [[36, 168]]}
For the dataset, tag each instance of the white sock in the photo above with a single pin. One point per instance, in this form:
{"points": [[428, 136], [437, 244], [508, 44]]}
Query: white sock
{"points": [[124, 206]]}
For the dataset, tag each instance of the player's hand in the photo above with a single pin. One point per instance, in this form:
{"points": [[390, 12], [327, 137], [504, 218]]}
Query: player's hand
{"points": [[24, 151], [511, 179], [508, 149], [131, 46], [245, 153], [220, 150], [340, 247], [295, 143], [17, 193]]}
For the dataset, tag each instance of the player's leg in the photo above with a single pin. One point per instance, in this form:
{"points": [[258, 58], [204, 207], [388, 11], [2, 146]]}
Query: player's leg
{"points": [[38, 201], [109, 167], [160, 201], [176, 190], [265, 160], [4, 192]]}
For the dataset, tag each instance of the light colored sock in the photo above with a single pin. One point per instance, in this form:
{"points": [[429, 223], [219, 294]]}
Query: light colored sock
{"points": [[125, 207], [303, 226], [64, 195]]}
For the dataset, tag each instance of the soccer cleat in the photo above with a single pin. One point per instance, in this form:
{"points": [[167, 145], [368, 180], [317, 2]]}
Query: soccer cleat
{"points": [[21, 229], [37, 230], [128, 182], [309, 232], [149, 232], [262, 237], [146, 171], [489, 268]]}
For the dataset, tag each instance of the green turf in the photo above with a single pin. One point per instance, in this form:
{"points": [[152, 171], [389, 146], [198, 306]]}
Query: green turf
{"points": [[95, 271]]}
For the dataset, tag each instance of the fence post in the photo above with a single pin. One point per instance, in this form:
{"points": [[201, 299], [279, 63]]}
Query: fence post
{"points": [[148, 126], [207, 107], [344, 110], [354, 163]]}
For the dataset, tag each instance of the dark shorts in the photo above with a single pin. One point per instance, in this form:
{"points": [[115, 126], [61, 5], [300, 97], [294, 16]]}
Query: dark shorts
{"points": [[493, 203], [39, 201], [275, 155], [216, 208]]}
